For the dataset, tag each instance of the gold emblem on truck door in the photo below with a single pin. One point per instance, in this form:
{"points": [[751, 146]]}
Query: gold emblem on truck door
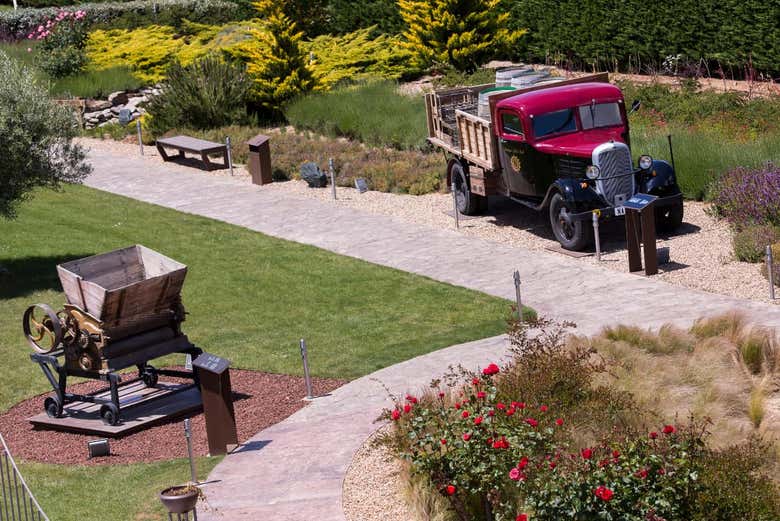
{"points": [[517, 165]]}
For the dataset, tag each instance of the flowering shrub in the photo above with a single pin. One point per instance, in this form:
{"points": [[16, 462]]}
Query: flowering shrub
{"points": [[749, 196], [489, 456], [751, 241], [62, 40]]}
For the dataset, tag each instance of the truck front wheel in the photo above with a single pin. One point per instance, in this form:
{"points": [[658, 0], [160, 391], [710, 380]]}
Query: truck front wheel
{"points": [[669, 218], [467, 202], [571, 234]]}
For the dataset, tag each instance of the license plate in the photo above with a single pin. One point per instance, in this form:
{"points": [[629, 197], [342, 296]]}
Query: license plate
{"points": [[620, 210]]}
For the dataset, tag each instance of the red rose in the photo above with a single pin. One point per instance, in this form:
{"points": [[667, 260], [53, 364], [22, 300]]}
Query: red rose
{"points": [[604, 493], [552, 465], [450, 490], [490, 370], [491, 413], [457, 405], [615, 454], [411, 399], [586, 453], [559, 422], [466, 436], [543, 408], [642, 473], [481, 394], [523, 463], [475, 381], [407, 408], [396, 414], [603, 463], [510, 411], [501, 444], [521, 405], [521, 517], [477, 420], [500, 406], [669, 429], [661, 471], [465, 414], [653, 435], [530, 421], [443, 441]]}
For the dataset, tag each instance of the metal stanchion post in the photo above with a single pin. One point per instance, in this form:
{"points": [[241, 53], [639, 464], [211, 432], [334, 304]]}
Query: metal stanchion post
{"points": [[229, 155], [596, 235], [188, 435], [770, 268], [455, 206], [138, 129], [517, 295], [332, 177], [307, 378]]}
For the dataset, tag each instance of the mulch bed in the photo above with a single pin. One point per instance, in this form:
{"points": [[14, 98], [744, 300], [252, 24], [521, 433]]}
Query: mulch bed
{"points": [[261, 400]]}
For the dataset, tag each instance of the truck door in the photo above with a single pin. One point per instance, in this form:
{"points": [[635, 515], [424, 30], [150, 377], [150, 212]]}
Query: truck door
{"points": [[513, 151]]}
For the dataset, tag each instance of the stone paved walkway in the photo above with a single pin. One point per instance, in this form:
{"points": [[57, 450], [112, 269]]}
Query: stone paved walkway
{"points": [[294, 470]]}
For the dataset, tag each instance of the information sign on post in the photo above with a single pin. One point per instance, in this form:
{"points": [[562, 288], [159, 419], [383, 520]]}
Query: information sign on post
{"points": [[640, 215], [215, 390]]}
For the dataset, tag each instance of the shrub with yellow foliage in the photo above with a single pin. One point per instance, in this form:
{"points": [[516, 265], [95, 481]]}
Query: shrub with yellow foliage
{"points": [[460, 34]]}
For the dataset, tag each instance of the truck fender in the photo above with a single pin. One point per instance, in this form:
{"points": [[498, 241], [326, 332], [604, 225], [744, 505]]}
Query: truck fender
{"points": [[572, 192], [664, 179]]}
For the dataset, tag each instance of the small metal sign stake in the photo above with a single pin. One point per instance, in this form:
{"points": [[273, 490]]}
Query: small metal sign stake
{"points": [[188, 435], [140, 141], [455, 206], [596, 234], [306, 377], [332, 177], [229, 155], [517, 295], [770, 272]]}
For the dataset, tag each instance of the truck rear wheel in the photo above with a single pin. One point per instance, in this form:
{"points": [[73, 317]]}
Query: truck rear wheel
{"points": [[571, 234], [467, 202]]}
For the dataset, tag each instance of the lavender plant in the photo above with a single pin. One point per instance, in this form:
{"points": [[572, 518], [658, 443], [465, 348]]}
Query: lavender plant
{"points": [[749, 196]]}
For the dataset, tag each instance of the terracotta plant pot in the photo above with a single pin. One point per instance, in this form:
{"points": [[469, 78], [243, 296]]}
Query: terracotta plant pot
{"points": [[179, 499]]}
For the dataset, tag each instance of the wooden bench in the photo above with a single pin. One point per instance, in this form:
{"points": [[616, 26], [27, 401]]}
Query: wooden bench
{"points": [[194, 146]]}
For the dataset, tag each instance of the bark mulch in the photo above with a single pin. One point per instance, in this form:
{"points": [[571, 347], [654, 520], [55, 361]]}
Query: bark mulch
{"points": [[260, 400]]}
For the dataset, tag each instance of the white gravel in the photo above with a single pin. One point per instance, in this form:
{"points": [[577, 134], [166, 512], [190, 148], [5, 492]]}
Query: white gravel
{"points": [[373, 486], [701, 253]]}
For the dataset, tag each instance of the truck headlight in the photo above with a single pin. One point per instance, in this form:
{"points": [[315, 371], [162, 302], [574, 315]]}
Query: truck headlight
{"points": [[592, 172], [645, 162]]}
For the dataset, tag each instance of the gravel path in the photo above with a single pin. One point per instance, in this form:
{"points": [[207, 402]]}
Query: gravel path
{"points": [[701, 253]]}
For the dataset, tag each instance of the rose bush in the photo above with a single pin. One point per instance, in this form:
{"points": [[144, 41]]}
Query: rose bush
{"points": [[62, 40]]}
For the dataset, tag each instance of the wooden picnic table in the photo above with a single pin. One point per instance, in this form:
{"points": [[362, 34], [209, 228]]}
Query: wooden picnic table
{"points": [[194, 146]]}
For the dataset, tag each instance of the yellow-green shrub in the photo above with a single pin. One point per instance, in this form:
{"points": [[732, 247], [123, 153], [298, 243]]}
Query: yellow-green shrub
{"points": [[148, 51], [357, 56]]}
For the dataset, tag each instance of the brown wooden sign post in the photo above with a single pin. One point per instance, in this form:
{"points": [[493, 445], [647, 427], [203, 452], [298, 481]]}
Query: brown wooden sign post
{"points": [[214, 375], [640, 215]]}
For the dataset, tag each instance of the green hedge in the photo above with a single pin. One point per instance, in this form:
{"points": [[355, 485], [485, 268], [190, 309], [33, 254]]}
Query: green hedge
{"points": [[15, 25], [641, 33]]}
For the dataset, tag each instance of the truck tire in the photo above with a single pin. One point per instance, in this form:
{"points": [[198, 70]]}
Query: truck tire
{"points": [[572, 235], [669, 218], [467, 202]]}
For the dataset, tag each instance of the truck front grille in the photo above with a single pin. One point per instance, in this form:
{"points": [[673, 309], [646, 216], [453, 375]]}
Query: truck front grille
{"points": [[615, 171]]}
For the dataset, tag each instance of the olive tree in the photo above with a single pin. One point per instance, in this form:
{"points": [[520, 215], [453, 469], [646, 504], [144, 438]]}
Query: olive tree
{"points": [[36, 138]]}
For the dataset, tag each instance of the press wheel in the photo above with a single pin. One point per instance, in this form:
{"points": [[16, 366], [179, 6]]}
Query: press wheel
{"points": [[109, 413], [53, 407], [42, 328]]}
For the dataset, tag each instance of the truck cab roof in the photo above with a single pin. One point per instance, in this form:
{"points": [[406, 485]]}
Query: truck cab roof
{"points": [[550, 99]]}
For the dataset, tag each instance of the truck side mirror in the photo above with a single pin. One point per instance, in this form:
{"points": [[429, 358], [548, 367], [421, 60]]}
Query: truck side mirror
{"points": [[635, 106]]}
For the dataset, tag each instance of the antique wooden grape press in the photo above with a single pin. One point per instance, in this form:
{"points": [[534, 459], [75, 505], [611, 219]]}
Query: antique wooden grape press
{"points": [[123, 310]]}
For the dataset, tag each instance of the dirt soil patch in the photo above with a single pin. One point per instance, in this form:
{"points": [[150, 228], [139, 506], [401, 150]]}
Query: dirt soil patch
{"points": [[260, 400]]}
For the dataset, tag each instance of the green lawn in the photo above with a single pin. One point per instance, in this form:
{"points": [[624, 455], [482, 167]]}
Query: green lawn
{"points": [[126, 492], [250, 298]]}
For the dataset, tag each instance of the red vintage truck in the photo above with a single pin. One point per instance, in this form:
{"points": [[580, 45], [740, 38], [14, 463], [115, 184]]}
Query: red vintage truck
{"points": [[558, 147]]}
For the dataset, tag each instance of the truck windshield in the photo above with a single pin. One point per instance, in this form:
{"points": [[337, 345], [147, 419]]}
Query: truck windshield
{"points": [[598, 115], [554, 123]]}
